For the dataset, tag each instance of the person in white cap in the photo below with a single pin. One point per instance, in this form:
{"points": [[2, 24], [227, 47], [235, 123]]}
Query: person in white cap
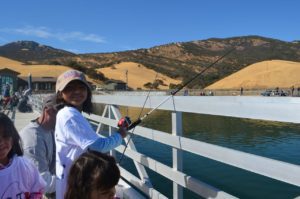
{"points": [[73, 133]]}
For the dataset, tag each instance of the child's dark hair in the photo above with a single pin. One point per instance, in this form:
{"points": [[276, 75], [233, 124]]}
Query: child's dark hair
{"points": [[87, 106], [91, 171], [8, 130]]}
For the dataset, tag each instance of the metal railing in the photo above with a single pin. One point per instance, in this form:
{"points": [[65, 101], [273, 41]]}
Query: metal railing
{"points": [[273, 109]]}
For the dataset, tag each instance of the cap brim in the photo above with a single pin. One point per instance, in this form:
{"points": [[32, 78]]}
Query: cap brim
{"points": [[62, 86]]}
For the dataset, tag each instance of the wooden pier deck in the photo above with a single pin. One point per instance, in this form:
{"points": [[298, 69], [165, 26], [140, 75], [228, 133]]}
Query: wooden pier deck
{"points": [[21, 119]]}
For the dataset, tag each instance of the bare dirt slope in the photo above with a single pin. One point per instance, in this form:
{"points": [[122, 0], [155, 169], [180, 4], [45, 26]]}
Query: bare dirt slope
{"points": [[261, 75], [5, 62], [35, 70], [138, 75]]}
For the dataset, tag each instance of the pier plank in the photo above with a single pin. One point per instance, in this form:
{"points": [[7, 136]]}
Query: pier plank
{"points": [[22, 119]]}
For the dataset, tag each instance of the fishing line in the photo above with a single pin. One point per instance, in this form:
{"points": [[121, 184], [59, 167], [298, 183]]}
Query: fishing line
{"points": [[132, 133], [173, 93]]}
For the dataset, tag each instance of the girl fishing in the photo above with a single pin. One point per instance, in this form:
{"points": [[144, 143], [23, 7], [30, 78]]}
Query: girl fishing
{"points": [[19, 177], [73, 133]]}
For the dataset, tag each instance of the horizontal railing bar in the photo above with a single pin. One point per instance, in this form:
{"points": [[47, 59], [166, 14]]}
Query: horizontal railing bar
{"points": [[180, 178], [149, 191], [127, 190], [283, 109], [275, 169], [100, 119]]}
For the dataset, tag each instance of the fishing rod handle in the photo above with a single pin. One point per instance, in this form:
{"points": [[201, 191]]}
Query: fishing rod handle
{"points": [[134, 124]]}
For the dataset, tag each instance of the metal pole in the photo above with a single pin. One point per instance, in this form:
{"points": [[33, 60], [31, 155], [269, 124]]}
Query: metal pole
{"points": [[126, 79]]}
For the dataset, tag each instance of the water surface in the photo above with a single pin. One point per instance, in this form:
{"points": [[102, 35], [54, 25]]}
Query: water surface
{"points": [[274, 140]]}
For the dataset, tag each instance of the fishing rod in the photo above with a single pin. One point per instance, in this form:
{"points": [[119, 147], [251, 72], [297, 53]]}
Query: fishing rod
{"points": [[173, 93], [140, 119]]}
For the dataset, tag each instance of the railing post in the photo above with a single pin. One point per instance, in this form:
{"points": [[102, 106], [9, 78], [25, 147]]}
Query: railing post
{"points": [[177, 153], [140, 168]]}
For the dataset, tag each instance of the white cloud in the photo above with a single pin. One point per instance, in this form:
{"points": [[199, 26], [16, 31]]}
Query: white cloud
{"points": [[40, 32], [75, 35], [43, 32], [93, 37], [73, 50]]}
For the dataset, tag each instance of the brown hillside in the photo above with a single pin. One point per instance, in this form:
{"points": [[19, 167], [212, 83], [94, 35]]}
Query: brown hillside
{"points": [[34, 70], [179, 60], [262, 75], [8, 62], [138, 75]]}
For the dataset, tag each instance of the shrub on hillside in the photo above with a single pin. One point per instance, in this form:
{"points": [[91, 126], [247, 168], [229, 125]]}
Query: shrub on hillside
{"points": [[97, 75], [54, 62], [174, 86], [77, 66], [148, 85]]}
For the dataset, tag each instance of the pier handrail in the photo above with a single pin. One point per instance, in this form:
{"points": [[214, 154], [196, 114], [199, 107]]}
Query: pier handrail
{"points": [[252, 107], [283, 109]]}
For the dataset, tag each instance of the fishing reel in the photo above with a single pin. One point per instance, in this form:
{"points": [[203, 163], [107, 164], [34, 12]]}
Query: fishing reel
{"points": [[124, 122]]}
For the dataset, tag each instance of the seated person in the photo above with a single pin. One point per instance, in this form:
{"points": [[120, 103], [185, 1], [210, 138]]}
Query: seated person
{"points": [[38, 142]]}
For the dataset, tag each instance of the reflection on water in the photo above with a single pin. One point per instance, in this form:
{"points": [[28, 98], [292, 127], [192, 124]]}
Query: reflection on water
{"points": [[275, 140]]}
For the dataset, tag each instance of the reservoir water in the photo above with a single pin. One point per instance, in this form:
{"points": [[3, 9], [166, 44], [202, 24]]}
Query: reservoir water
{"points": [[280, 141]]}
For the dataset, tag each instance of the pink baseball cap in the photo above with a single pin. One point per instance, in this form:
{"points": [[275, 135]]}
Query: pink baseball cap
{"points": [[67, 77]]}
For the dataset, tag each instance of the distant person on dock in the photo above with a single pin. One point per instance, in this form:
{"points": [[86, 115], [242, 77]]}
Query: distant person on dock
{"points": [[277, 91], [186, 92], [6, 90], [73, 133], [6, 96], [14, 100], [242, 91], [23, 105], [292, 90], [19, 177], [38, 142], [93, 175]]}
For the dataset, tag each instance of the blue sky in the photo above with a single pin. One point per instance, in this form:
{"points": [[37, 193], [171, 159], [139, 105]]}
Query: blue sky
{"points": [[84, 26]]}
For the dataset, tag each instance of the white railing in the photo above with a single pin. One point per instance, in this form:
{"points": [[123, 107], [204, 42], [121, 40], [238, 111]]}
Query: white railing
{"points": [[283, 109]]}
